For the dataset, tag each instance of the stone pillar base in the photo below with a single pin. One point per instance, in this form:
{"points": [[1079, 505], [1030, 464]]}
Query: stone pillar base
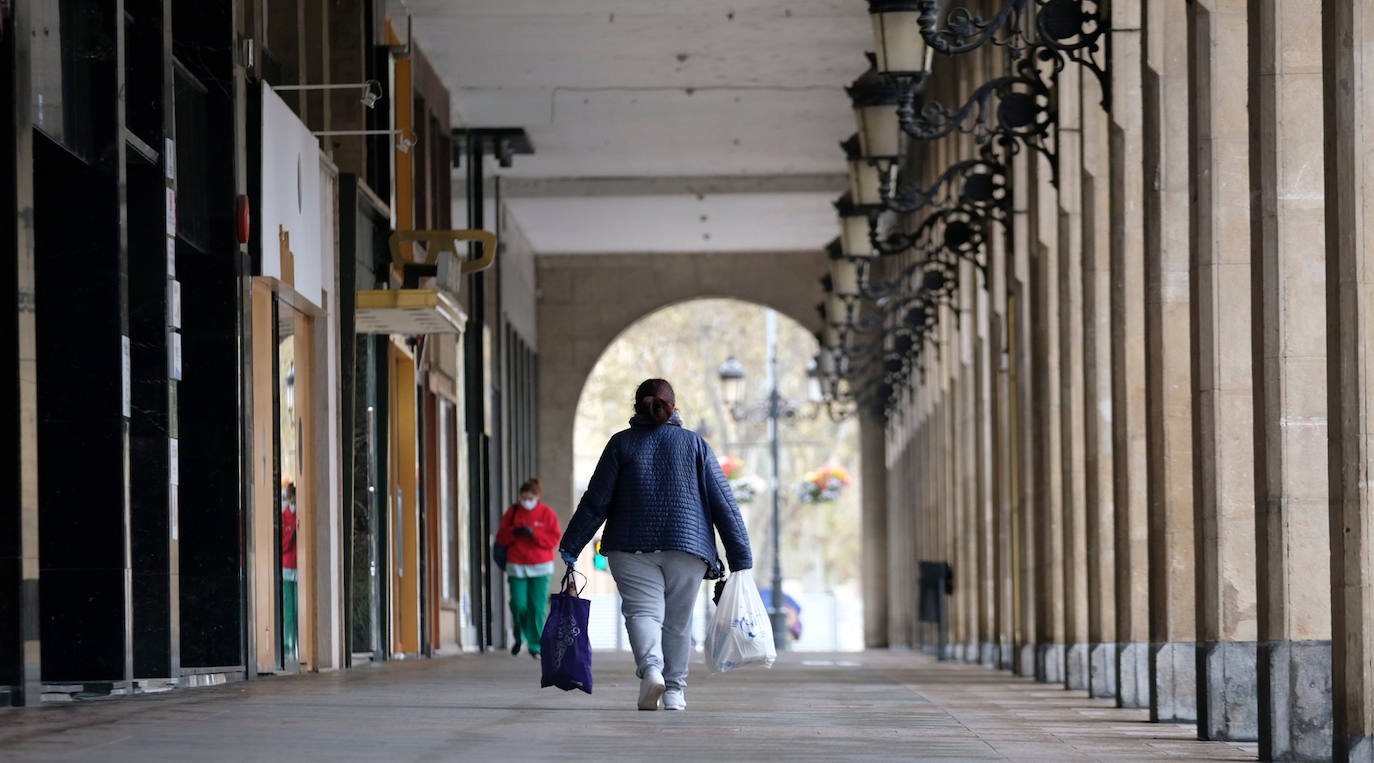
{"points": [[990, 655], [1133, 675], [1173, 681], [1024, 663], [1359, 750], [1076, 667], [1228, 691], [1295, 713], [973, 653], [1102, 670], [1049, 664]]}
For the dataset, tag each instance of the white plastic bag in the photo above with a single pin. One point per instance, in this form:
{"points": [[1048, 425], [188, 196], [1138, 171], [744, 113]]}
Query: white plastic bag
{"points": [[739, 633]]}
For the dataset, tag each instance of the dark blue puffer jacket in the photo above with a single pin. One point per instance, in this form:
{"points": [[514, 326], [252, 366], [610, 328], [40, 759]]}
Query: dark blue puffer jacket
{"points": [[660, 488]]}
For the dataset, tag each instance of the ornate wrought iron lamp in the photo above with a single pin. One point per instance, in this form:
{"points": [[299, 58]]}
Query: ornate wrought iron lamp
{"points": [[1012, 110]]}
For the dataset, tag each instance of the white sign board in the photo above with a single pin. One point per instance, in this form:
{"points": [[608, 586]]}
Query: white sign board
{"points": [[290, 216]]}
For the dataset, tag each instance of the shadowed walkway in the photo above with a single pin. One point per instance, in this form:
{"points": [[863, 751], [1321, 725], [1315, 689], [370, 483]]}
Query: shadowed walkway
{"points": [[877, 705]]}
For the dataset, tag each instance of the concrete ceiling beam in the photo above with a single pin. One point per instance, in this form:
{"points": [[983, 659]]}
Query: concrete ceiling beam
{"points": [[704, 185]]}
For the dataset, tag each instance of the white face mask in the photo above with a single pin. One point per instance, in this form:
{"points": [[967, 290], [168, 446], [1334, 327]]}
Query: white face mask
{"points": [[531, 503]]}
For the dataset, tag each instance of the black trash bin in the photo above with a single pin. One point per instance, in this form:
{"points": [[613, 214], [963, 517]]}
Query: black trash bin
{"points": [[937, 583]]}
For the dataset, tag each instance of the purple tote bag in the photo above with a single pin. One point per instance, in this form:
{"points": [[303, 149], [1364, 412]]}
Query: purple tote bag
{"points": [[565, 649]]}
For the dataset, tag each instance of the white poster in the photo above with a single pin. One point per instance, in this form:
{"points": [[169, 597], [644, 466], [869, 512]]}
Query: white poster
{"points": [[174, 304], [292, 242], [174, 356], [173, 463], [171, 212]]}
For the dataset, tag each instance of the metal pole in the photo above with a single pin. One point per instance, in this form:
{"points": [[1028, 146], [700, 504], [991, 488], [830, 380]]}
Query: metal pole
{"points": [[776, 613]]}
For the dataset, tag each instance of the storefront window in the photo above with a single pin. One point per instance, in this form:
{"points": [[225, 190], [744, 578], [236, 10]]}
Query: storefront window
{"points": [[70, 39]]}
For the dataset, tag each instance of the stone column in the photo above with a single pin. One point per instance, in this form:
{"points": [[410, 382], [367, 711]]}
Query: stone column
{"points": [[21, 584], [1223, 403], [983, 578], [1023, 478], [1070, 285], [933, 447], [1099, 524], [901, 532], [1168, 366], [1000, 432], [947, 443], [874, 539], [985, 465], [970, 546], [948, 502], [968, 579], [1287, 261], [1349, 119], [927, 469], [1045, 417], [1127, 272]]}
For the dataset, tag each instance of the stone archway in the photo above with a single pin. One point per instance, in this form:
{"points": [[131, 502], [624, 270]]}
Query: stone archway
{"points": [[586, 301]]}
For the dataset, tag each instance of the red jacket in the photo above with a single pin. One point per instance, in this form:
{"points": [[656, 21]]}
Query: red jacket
{"points": [[524, 549], [288, 536]]}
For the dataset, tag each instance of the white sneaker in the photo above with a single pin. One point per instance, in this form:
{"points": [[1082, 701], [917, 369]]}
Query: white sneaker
{"points": [[674, 699], [650, 689]]}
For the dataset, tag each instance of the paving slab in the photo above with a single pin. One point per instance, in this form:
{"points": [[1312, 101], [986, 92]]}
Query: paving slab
{"points": [[872, 706]]}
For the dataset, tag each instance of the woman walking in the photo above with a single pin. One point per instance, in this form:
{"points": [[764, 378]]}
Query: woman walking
{"points": [[660, 492], [529, 531]]}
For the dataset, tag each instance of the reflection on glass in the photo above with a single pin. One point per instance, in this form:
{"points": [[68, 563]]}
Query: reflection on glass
{"points": [[290, 470], [448, 505]]}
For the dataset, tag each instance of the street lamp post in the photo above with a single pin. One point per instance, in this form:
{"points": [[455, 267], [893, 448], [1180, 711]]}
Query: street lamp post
{"points": [[732, 385]]}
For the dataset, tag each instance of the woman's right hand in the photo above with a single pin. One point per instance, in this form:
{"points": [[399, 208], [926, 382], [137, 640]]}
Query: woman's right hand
{"points": [[569, 559]]}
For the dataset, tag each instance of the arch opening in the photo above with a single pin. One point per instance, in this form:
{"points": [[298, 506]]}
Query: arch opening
{"points": [[819, 520]]}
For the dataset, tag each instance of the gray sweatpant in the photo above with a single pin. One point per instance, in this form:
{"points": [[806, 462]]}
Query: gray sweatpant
{"points": [[658, 592]]}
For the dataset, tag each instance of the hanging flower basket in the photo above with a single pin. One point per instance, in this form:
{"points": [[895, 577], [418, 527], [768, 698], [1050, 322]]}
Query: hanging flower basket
{"points": [[748, 488], [825, 484], [732, 466]]}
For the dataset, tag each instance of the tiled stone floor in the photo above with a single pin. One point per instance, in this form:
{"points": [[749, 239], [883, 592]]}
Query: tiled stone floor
{"points": [[874, 706]]}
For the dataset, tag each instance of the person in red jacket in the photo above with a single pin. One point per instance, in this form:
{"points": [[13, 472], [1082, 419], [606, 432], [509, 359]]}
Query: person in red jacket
{"points": [[530, 532], [288, 570]]}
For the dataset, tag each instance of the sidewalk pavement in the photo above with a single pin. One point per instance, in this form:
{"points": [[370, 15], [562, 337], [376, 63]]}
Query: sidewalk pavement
{"points": [[872, 705]]}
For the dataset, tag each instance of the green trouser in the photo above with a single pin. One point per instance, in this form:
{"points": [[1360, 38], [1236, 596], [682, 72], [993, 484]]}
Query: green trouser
{"points": [[529, 608], [288, 606]]}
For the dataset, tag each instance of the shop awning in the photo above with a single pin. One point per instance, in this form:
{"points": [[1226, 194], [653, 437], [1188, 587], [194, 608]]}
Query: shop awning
{"points": [[408, 311]]}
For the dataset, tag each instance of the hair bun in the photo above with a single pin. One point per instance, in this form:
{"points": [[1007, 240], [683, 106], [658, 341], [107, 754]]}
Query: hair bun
{"points": [[654, 400]]}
